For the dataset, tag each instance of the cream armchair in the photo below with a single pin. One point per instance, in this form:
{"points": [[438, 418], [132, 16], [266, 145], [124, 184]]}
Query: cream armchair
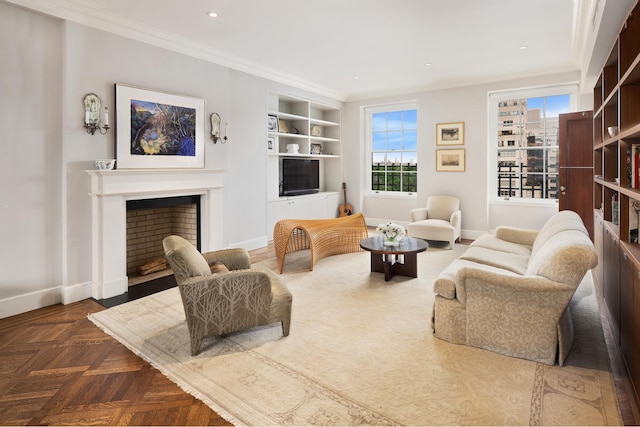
{"points": [[228, 301], [440, 220]]}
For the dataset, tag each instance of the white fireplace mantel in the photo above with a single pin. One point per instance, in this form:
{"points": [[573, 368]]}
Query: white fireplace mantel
{"points": [[110, 190]]}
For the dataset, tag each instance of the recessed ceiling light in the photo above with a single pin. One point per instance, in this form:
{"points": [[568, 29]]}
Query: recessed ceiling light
{"points": [[356, 77], [428, 64], [212, 14], [523, 47]]}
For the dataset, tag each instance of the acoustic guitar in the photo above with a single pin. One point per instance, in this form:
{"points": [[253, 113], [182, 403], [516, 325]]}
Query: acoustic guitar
{"points": [[345, 209]]}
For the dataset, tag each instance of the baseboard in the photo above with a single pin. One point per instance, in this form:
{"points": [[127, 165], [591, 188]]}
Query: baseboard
{"points": [[250, 245], [76, 293], [28, 302]]}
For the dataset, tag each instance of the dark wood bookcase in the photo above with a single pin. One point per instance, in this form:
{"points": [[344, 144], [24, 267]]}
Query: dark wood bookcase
{"points": [[616, 99]]}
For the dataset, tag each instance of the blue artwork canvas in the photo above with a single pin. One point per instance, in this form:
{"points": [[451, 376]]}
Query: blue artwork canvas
{"points": [[162, 129]]}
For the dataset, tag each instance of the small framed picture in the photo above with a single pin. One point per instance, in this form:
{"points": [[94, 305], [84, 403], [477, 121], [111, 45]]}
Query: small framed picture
{"points": [[283, 127], [271, 144], [316, 130], [272, 123], [316, 148], [450, 160], [450, 133]]}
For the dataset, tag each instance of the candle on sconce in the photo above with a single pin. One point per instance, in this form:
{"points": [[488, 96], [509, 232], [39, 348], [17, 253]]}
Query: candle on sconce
{"points": [[106, 116], [225, 129], [86, 117]]}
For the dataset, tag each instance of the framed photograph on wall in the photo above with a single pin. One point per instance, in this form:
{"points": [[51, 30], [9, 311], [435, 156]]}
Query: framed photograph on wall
{"points": [[272, 123], [271, 144], [450, 133], [450, 160], [158, 130]]}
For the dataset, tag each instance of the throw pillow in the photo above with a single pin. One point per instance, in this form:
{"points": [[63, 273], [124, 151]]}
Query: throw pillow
{"points": [[218, 267]]}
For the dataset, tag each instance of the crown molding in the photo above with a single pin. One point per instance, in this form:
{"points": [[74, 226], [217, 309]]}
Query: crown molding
{"points": [[95, 16]]}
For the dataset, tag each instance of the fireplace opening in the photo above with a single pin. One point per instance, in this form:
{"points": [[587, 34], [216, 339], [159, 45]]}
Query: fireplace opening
{"points": [[149, 221]]}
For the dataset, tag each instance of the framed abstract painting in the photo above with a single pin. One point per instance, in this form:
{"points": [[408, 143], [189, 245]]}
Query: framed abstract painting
{"points": [[158, 130]]}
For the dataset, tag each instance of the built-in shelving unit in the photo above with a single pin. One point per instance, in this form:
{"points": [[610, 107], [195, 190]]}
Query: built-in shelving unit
{"points": [[299, 127], [616, 99]]}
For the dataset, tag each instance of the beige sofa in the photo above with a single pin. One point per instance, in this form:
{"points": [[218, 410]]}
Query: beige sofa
{"points": [[510, 291]]}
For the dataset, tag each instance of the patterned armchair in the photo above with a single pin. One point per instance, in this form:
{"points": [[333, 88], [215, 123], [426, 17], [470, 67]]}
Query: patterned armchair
{"points": [[228, 301]]}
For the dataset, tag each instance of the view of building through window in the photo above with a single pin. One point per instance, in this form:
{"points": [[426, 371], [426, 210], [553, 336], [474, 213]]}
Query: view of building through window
{"points": [[527, 154], [394, 151]]}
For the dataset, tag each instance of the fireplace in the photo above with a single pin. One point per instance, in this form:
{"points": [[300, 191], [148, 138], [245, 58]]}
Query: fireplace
{"points": [[149, 221], [113, 190]]}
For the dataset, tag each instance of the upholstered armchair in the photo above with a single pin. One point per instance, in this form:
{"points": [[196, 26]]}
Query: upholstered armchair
{"points": [[233, 298], [440, 220]]}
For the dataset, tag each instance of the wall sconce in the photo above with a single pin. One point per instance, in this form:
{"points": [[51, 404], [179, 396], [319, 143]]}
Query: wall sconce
{"points": [[92, 104], [215, 129]]}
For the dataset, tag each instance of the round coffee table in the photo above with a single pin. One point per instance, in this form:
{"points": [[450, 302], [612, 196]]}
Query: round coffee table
{"points": [[391, 260]]}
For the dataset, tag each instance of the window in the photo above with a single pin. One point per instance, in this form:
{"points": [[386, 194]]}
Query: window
{"points": [[524, 149], [392, 136]]}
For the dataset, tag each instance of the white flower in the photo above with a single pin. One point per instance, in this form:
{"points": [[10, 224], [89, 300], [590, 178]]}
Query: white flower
{"points": [[391, 231]]}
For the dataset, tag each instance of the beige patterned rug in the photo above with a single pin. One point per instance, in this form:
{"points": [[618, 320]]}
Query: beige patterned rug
{"points": [[361, 352]]}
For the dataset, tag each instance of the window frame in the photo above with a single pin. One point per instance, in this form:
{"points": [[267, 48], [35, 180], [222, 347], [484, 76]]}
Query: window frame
{"points": [[494, 98], [368, 112]]}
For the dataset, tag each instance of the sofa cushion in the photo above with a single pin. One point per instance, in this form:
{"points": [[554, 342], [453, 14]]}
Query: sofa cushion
{"points": [[565, 258], [563, 220], [445, 284], [490, 241], [508, 261], [218, 267]]}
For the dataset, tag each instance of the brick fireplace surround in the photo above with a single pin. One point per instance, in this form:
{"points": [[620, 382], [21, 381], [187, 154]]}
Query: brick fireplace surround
{"points": [[110, 191]]}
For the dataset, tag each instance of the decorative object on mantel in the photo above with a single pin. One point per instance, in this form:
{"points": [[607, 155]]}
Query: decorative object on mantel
{"points": [[158, 130], [391, 233], [92, 105], [105, 164], [215, 129]]}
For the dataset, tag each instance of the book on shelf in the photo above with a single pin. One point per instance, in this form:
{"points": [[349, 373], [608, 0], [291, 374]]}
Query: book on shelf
{"points": [[633, 166]]}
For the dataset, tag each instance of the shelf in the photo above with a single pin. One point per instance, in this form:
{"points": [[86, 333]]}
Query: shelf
{"points": [[320, 131], [287, 116]]}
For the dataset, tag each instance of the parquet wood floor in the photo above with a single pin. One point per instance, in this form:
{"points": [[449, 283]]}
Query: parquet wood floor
{"points": [[58, 368]]}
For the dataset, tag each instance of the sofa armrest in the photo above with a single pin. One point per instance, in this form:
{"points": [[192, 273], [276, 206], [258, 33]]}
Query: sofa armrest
{"points": [[234, 258], [456, 219], [419, 214], [515, 316], [521, 236]]}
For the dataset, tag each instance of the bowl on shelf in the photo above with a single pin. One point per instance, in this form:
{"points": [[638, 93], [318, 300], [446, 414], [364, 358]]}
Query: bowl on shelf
{"points": [[613, 131], [105, 164]]}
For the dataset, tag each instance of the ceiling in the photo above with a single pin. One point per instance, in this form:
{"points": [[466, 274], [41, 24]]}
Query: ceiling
{"points": [[351, 49]]}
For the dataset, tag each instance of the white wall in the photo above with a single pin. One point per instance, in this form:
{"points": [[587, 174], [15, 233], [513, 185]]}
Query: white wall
{"points": [[465, 104], [31, 258], [45, 208]]}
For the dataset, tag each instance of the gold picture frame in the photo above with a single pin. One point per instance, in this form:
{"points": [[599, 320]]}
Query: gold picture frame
{"points": [[450, 160], [450, 133]]}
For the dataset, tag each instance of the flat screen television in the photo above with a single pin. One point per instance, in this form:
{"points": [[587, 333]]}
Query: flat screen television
{"points": [[299, 176]]}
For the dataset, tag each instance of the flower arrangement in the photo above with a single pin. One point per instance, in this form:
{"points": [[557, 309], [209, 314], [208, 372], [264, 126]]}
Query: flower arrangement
{"points": [[392, 232]]}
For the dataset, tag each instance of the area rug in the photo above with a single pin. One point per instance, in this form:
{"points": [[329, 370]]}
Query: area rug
{"points": [[361, 352]]}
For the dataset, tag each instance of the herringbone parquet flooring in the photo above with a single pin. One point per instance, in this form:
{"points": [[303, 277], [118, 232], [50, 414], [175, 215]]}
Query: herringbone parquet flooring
{"points": [[57, 368]]}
